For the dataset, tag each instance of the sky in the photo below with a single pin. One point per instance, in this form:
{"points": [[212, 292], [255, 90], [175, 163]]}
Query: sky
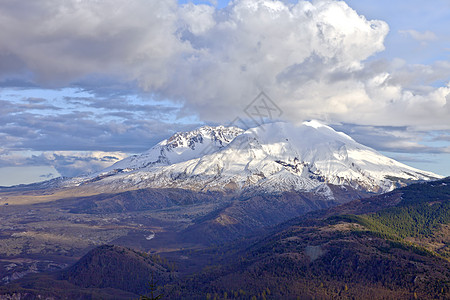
{"points": [[84, 84]]}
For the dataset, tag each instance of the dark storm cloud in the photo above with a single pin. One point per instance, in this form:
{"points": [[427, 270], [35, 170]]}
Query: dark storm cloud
{"points": [[84, 130], [73, 142], [37, 106], [75, 132], [412, 159], [70, 164], [67, 163], [122, 105], [35, 100], [442, 137], [400, 139]]}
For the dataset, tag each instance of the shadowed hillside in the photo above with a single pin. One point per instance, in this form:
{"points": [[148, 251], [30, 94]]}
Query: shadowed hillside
{"points": [[106, 272], [391, 246]]}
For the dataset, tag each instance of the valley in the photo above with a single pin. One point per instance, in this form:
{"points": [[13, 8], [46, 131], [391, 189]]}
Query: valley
{"points": [[177, 219], [224, 149], [257, 216], [353, 250]]}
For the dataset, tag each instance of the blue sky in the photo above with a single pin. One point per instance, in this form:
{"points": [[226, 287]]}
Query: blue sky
{"points": [[85, 83]]}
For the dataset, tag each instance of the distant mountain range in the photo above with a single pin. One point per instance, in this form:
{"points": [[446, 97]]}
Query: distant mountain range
{"points": [[274, 158]]}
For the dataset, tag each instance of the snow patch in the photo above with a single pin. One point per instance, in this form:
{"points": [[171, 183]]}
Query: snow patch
{"points": [[273, 157]]}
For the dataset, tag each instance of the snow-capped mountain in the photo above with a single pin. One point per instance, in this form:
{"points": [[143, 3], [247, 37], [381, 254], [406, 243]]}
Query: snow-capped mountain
{"points": [[182, 146], [273, 157]]}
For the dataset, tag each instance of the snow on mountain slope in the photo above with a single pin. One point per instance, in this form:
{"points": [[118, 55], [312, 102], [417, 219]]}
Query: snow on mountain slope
{"points": [[272, 157], [180, 147]]}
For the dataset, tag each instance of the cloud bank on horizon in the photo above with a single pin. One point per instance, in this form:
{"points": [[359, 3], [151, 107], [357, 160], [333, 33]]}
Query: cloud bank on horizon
{"points": [[312, 58]]}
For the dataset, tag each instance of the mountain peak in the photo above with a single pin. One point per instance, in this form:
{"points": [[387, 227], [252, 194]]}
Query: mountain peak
{"points": [[310, 134], [180, 147], [315, 124], [273, 157], [219, 134]]}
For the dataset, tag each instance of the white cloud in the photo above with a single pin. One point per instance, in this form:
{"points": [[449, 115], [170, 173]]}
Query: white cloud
{"points": [[426, 36], [64, 163], [74, 163], [197, 18], [309, 57], [291, 51]]}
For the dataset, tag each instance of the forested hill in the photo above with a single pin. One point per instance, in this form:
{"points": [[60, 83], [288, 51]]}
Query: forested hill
{"points": [[392, 246], [419, 214]]}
